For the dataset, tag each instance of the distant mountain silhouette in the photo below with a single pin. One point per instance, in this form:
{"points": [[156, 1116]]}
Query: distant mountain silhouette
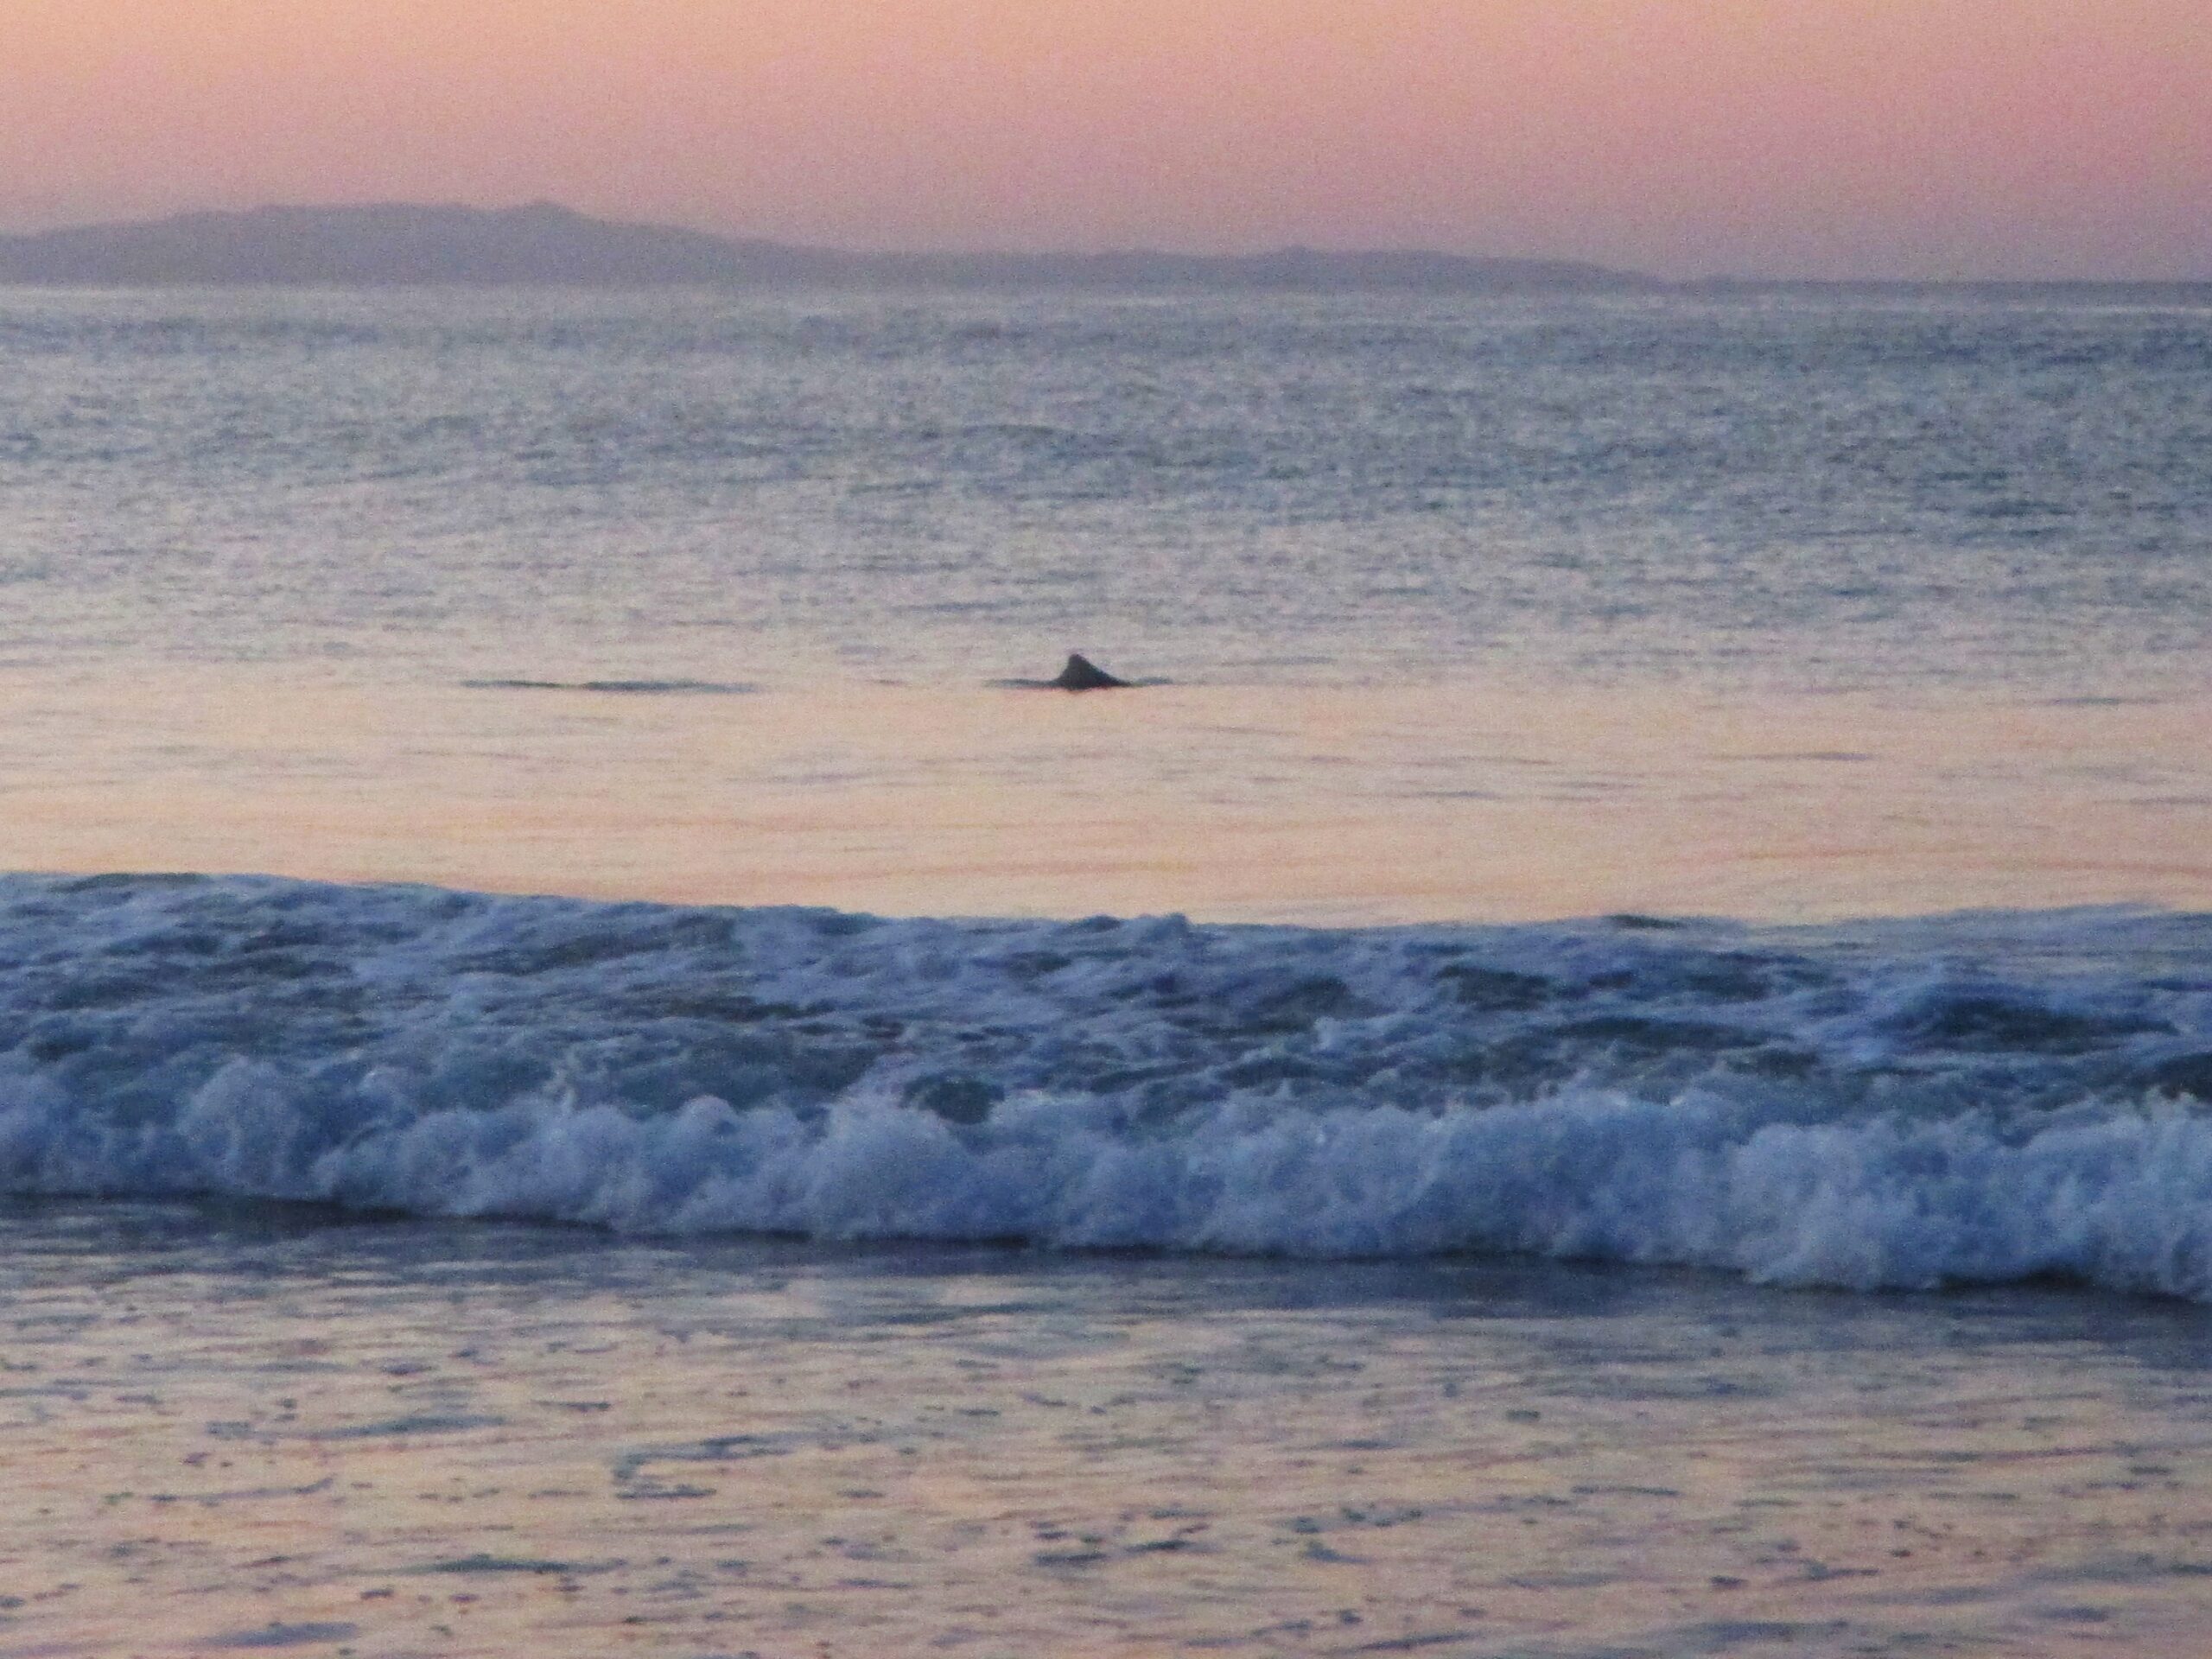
{"points": [[402, 243]]}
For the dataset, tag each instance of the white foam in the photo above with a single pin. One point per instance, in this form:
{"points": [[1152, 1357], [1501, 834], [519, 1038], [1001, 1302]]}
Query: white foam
{"points": [[1866, 1112], [2124, 1200]]}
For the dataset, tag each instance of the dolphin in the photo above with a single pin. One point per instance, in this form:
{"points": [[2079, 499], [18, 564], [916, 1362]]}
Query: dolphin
{"points": [[1083, 675]]}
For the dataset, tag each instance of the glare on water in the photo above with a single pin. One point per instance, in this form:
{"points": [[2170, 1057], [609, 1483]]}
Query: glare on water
{"points": [[1353, 803]]}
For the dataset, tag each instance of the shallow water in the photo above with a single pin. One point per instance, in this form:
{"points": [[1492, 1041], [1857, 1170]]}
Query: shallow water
{"points": [[254, 1430]]}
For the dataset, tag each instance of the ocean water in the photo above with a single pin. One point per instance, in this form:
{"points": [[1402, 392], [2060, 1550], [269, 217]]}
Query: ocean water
{"points": [[567, 1023], [1802, 492]]}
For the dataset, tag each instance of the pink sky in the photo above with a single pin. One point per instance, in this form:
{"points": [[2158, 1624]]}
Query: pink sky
{"points": [[1834, 137]]}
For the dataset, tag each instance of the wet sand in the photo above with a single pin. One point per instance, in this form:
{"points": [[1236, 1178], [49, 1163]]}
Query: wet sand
{"points": [[1348, 804], [271, 1430]]}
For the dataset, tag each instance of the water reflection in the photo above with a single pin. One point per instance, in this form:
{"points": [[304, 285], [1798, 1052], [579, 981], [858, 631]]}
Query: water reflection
{"points": [[259, 1426], [1236, 803]]}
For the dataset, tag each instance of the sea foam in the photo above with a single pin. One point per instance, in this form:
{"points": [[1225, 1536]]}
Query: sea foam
{"points": [[1973, 1098]]}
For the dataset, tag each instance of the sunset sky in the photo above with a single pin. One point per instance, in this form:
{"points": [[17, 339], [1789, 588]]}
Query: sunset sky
{"points": [[1906, 138]]}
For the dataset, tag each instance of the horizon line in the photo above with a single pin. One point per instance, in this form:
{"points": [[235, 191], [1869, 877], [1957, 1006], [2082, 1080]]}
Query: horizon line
{"points": [[742, 240]]}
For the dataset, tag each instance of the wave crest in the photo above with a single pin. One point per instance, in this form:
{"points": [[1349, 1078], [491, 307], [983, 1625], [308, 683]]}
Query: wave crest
{"points": [[1917, 1104]]}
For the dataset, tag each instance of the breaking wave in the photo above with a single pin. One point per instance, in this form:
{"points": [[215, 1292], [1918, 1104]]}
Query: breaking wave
{"points": [[1971, 1098]]}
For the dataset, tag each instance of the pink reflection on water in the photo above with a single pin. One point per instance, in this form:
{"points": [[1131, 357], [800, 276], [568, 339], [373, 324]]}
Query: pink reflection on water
{"points": [[1320, 803]]}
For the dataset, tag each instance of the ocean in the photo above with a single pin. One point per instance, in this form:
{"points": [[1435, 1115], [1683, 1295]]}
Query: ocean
{"points": [[1609, 1053]]}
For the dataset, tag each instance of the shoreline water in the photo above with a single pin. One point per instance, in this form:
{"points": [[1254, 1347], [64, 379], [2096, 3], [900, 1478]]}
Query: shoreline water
{"points": [[416, 1438]]}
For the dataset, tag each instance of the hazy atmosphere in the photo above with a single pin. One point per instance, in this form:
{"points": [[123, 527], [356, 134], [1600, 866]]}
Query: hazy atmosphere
{"points": [[1857, 139]]}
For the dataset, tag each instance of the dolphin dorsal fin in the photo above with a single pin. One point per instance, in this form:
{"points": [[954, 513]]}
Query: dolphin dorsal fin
{"points": [[1083, 675]]}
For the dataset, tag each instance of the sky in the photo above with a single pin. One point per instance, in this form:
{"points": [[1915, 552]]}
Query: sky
{"points": [[1879, 138]]}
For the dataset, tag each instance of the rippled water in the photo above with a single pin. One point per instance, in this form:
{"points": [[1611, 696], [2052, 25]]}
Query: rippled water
{"points": [[1808, 491]]}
